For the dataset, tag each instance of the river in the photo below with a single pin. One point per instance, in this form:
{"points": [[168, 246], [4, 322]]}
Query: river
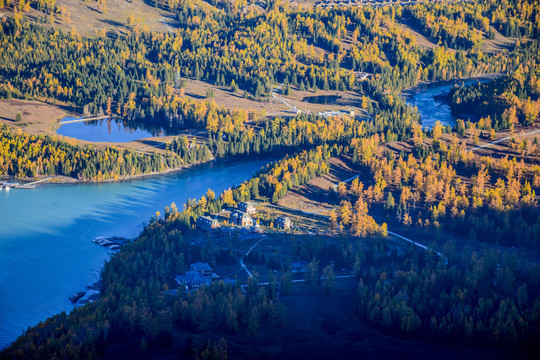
{"points": [[432, 103], [46, 248]]}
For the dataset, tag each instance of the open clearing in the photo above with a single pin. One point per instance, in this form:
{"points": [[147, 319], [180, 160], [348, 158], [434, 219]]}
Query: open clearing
{"points": [[85, 17], [223, 96]]}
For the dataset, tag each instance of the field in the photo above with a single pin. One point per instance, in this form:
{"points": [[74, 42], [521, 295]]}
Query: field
{"points": [[86, 19], [347, 100]]}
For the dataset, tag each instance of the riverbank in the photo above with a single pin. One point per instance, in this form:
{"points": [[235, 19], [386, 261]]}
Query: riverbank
{"points": [[447, 82], [61, 179]]}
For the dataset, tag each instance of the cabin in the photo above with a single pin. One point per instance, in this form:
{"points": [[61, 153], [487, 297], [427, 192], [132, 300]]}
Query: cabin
{"points": [[192, 280], [240, 218], [247, 207], [207, 223], [298, 267], [283, 222], [202, 268]]}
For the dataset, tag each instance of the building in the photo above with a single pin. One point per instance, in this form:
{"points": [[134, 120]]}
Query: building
{"points": [[283, 223], [207, 223], [202, 268], [298, 267], [192, 280], [247, 207], [240, 218], [199, 274]]}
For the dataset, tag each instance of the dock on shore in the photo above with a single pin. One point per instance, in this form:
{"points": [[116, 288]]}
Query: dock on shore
{"points": [[30, 185]]}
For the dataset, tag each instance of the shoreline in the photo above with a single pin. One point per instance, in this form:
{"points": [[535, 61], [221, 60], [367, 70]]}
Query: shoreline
{"points": [[467, 78], [63, 179], [66, 180]]}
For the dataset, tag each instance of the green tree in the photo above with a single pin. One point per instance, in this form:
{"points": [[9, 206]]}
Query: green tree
{"points": [[390, 202], [329, 278]]}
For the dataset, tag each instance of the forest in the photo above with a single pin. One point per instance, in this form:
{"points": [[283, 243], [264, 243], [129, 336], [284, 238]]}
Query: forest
{"points": [[24, 155], [453, 296], [498, 204], [139, 75], [508, 100]]}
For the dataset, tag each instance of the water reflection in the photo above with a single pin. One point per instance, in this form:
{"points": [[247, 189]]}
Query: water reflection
{"points": [[113, 130], [322, 99]]}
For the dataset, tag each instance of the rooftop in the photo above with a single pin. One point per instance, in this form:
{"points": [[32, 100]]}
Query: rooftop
{"points": [[200, 266]]}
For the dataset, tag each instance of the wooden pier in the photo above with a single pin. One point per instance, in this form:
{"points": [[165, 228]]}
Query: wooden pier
{"points": [[30, 185]]}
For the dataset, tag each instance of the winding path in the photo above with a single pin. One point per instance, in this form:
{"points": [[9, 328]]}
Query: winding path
{"points": [[247, 253], [286, 103], [504, 139]]}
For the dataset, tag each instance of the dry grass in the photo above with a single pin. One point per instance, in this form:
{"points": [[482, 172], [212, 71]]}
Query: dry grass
{"points": [[87, 19], [312, 196], [38, 118], [499, 43], [223, 96], [421, 40]]}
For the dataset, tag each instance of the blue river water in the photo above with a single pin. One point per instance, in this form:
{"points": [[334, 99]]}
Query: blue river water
{"points": [[46, 248], [433, 105]]}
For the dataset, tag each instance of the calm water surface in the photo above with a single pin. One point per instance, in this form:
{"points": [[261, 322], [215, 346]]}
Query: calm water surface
{"points": [[46, 248], [431, 101], [322, 99], [112, 130]]}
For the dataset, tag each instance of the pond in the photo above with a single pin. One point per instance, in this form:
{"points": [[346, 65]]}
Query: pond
{"points": [[322, 99], [112, 130], [433, 102]]}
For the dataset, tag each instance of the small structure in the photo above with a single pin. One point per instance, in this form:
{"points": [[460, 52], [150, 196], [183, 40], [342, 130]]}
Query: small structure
{"points": [[207, 223], [283, 222], [202, 268], [240, 218], [298, 267], [330, 113], [247, 207], [192, 280], [199, 274]]}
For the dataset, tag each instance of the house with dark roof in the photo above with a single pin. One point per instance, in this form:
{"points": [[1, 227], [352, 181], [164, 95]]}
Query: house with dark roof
{"points": [[202, 268], [192, 280], [207, 223], [298, 267]]}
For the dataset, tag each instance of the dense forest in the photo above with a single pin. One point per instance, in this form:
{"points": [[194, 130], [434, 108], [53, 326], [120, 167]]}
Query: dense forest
{"points": [[498, 205], [508, 100], [468, 25], [140, 74], [417, 294], [133, 306], [23, 155], [486, 298]]}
